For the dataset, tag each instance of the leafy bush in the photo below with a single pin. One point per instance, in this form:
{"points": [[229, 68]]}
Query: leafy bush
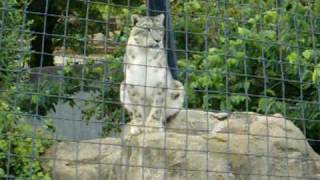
{"points": [[20, 144], [260, 56]]}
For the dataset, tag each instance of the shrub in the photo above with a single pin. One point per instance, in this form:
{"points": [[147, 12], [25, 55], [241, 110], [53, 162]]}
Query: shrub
{"points": [[258, 56], [20, 144]]}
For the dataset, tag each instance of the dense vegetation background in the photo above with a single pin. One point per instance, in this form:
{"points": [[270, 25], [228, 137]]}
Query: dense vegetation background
{"points": [[20, 143], [249, 55]]}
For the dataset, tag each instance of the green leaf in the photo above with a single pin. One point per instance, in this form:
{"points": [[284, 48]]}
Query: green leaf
{"points": [[252, 21], [2, 173], [307, 54], [246, 85], [236, 100], [232, 62], [270, 16], [243, 31], [98, 70], [270, 92], [240, 55], [195, 5], [67, 69], [292, 57], [35, 99], [316, 74], [213, 50], [265, 104], [269, 34], [215, 60]]}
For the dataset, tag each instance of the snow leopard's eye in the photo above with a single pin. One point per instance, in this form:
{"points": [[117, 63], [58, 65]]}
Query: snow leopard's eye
{"points": [[139, 31]]}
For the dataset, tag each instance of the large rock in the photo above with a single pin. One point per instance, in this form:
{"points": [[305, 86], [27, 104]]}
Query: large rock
{"points": [[197, 145]]}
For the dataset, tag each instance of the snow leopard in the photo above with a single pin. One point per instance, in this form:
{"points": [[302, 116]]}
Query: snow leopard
{"points": [[149, 92]]}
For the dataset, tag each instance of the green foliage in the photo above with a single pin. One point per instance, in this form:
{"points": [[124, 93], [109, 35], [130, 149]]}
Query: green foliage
{"points": [[259, 58], [20, 144], [102, 80], [12, 41]]}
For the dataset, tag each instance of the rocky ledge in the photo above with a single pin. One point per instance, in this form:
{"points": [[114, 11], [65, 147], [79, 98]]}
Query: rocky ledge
{"points": [[197, 145]]}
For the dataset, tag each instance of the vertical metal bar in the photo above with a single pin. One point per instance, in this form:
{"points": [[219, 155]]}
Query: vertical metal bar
{"points": [[61, 82], [282, 69], [39, 77], [206, 101], [103, 92], [304, 119], [143, 149], [265, 87], [314, 23], [245, 60], [2, 31], [227, 93], [186, 56], [2, 27], [84, 58], [125, 167], [156, 7]]}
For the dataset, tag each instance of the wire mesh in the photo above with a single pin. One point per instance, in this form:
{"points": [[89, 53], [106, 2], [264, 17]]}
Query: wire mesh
{"points": [[62, 64]]}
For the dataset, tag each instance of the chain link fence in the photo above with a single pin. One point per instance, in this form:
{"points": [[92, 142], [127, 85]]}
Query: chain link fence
{"points": [[250, 72]]}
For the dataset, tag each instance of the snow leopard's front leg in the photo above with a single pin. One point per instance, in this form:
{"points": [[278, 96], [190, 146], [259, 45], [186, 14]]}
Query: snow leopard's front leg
{"points": [[156, 119], [130, 101]]}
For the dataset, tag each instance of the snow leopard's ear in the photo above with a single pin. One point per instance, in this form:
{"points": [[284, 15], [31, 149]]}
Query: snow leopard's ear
{"points": [[134, 19], [160, 18]]}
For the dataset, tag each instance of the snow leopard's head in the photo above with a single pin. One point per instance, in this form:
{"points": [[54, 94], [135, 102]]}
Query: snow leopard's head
{"points": [[147, 31]]}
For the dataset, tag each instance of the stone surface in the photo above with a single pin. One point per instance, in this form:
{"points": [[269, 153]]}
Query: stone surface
{"points": [[67, 118], [196, 145]]}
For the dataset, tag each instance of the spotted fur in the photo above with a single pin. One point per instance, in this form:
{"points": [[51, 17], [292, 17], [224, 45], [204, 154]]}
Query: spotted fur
{"points": [[148, 92]]}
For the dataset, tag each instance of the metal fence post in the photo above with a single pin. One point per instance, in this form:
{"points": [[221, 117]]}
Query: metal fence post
{"points": [[156, 7]]}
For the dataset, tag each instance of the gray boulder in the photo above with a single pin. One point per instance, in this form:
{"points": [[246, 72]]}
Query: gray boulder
{"points": [[197, 145]]}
